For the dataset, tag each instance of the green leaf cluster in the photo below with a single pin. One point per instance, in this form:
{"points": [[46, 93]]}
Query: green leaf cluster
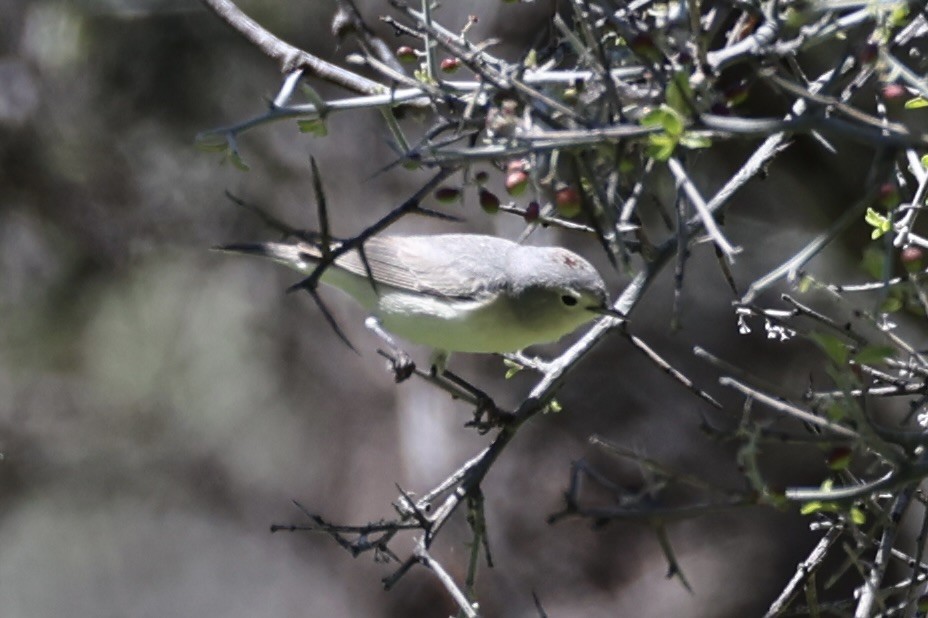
{"points": [[661, 146], [881, 225], [219, 142], [855, 514]]}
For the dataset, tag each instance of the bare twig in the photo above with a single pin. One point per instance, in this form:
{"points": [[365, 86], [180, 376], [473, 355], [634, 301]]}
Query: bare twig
{"points": [[804, 570], [287, 56]]}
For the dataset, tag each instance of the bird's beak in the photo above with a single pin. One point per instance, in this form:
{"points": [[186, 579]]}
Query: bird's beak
{"points": [[607, 310]]}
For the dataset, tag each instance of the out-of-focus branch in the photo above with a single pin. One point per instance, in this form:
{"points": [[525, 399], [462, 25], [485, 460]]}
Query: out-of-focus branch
{"points": [[287, 56]]}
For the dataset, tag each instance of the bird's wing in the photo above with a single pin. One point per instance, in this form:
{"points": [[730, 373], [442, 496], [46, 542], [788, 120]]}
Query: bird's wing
{"points": [[449, 265]]}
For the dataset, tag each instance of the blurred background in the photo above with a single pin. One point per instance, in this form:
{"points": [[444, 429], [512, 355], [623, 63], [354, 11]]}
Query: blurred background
{"points": [[162, 405]]}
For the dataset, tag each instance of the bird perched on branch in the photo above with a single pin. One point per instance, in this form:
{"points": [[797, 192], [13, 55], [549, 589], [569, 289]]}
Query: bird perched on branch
{"points": [[453, 292]]}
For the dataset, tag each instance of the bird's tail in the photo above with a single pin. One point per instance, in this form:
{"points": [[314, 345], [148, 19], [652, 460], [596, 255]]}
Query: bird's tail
{"points": [[300, 256]]}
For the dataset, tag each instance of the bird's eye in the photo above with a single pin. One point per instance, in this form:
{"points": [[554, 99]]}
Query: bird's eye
{"points": [[569, 300]]}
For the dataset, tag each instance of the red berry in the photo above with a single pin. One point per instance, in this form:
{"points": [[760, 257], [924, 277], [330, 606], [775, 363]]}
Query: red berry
{"points": [[912, 258], [567, 201], [516, 165], [868, 53], [891, 92], [516, 182], [839, 458], [406, 54], [532, 212], [489, 202], [450, 65], [888, 195]]}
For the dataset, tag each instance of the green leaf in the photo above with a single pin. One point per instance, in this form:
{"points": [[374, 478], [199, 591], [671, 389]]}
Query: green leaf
{"points": [[694, 141], [422, 75], [511, 368], [873, 262], [836, 411], [812, 507], [554, 406], [880, 224], [874, 354], [842, 379], [211, 142], [666, 118], [661, 146], [679, 94], [673, 123], [833, 347], [314, 126], [916, 103], [892, 304], [654, 118], [531, 59], [805, 284], [313, 97], [899, 15], [857, 516], [233, 157]]}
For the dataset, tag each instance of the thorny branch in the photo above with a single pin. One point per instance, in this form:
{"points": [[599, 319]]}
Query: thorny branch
{"points": [[636, 91]]}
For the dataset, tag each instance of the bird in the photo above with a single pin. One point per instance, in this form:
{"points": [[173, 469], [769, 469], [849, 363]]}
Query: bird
{"points": [[471, 293]]}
